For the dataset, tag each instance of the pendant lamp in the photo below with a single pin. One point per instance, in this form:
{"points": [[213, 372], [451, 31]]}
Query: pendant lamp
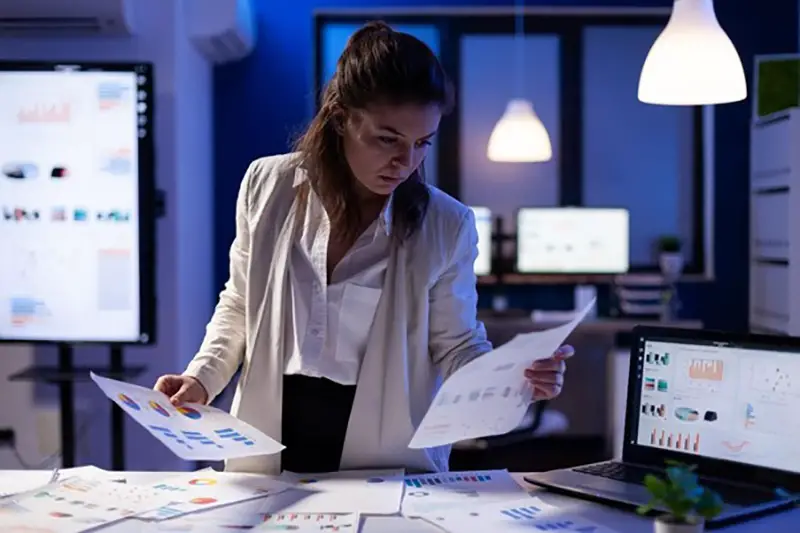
{"points": [[519, 136], [693, 61]]}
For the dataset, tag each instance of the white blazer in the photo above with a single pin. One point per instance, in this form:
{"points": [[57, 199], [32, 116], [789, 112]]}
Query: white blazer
{"points": [[425, 326]]}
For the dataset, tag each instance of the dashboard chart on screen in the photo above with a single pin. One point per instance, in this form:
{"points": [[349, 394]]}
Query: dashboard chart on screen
{"points": [[721, 402], [573, 240], [76, 210]]}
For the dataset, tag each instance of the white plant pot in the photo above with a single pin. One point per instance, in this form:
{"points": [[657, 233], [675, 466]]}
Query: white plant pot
{"points": [[671, 264], [664, 525]]}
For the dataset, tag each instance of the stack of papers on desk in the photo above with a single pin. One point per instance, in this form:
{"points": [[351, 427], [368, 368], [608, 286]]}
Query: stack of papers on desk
{"points": [[380, 501]]}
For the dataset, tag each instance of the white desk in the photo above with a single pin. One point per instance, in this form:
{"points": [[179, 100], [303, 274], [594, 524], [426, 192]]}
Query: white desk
{"points": [[622, 522]]}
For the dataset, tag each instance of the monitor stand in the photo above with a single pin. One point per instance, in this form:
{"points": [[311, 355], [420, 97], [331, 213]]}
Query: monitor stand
{"points": [[583, 295]]}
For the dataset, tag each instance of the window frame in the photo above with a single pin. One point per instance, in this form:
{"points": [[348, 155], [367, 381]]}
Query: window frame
{"points": [[568, 24]]}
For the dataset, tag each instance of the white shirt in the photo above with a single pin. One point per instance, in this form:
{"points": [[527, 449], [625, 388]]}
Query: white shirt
{"points": [[331, 319]]}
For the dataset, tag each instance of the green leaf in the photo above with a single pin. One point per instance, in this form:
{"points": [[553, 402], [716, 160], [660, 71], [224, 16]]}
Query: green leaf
{"points": [[709, 504], [644, 509], [655, 486]]}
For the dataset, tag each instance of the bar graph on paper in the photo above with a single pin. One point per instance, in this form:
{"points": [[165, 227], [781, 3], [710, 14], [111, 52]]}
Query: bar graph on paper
{"points": [[447, 479]]}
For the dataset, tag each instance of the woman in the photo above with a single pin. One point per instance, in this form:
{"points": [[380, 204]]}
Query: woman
{"points": [[351, 290]]}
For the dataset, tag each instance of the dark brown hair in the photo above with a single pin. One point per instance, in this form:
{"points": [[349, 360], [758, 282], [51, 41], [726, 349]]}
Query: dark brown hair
{"points": [[378, 66]]}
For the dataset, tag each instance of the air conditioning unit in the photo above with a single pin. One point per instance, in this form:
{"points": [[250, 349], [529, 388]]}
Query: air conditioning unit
{"points": [[221, 30], [58, 18]]}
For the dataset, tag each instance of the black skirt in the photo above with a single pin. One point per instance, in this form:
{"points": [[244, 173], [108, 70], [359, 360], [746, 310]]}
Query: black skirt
{"points": [[314, 423]]}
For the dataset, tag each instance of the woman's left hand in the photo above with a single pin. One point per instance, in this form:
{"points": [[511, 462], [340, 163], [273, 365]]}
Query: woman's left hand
{"points": [[547, 375]]}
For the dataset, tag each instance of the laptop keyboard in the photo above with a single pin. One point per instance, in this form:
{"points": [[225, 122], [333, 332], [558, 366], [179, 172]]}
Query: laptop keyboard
{"points": [[731, 494]]}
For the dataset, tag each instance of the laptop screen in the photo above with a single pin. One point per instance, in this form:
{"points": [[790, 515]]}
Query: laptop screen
{"points": [[719, 402]]}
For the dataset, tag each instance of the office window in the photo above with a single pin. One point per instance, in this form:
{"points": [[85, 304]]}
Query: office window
{"points": [[487, 82], [635, 155], [334, 39]]}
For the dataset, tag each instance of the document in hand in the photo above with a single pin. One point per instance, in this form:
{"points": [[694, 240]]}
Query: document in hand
{"points": [[490, 395], [192, 431]]}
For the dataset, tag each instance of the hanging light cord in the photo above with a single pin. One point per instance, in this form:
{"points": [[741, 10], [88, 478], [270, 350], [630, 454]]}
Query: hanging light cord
{"points": [[519, 37]]}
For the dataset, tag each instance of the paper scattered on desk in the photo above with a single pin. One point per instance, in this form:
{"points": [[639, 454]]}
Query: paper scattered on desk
{"points": [[529, 514], [310, 522], [89, 502], [430, 493], [376, 492], [206, 489], [192, 431], [490, 395]]}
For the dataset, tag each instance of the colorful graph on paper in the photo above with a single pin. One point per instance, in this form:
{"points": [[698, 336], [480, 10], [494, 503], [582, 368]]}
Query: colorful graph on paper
{"points": [[529, 514], [192, 431], [431, 493], [199, 491]]}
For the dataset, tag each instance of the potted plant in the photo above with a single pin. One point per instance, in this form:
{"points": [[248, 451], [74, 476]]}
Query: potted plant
{"points": [[670, 256], [687, 504]]}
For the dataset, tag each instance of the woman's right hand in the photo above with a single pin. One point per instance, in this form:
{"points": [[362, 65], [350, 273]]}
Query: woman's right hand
{"points": [[182, 389]]}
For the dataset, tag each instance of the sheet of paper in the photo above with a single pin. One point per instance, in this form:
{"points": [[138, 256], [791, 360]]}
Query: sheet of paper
{"points": [[17, 481], [396, 524], [89, 502], [308, 522], [430, 493], [25, 523], [529, 514], [490, 395], [192, 431], [376, 492], [192, 492]]}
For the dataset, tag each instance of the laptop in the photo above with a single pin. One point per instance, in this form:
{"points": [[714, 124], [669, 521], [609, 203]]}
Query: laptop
{"points": [[727, 403]]}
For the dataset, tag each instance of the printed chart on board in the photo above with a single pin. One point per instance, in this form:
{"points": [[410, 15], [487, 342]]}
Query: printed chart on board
{"points": [[429, 493], [192, 431]]}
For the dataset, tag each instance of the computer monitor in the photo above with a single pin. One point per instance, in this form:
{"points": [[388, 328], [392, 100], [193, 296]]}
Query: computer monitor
{"points": [[573, 240], [483, 222], [704, 397], [77, 203]]}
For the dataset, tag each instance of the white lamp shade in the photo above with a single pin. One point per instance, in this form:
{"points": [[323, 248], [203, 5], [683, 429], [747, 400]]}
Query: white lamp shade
{"points": [[692, 62], [519, 136]]}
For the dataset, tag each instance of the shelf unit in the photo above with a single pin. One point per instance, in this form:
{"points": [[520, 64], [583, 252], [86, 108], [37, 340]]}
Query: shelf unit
{"points": [[775, 223]]}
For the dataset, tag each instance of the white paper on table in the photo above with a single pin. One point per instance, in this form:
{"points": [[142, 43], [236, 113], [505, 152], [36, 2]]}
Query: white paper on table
{"points": [[376, 492], [17, 481], [489, 395], [530, 514], [85, 501], [192, 492], [309, 522], [396, 524], [192, 431], [430, 493], [25, 523]]}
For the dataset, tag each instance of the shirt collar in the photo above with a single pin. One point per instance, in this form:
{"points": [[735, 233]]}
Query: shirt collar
{"points": [[385, 217]]}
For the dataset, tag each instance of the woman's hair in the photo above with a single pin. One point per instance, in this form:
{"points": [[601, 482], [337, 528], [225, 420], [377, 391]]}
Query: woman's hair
{"points": [[378, 66]]}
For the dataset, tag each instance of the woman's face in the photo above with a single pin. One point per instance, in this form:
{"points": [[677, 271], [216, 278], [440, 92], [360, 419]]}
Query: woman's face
{"points": [[385, 144]]}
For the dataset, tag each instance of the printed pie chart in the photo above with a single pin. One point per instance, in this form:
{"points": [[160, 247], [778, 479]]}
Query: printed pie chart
{"points": [[202, 501], [203, 481], [155, 406], [188, 412], [128, 401]]}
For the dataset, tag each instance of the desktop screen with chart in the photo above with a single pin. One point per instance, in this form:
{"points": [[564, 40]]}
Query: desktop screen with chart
{"points": [[720, 402], [74, 155], [565, 240], [483, 223]]}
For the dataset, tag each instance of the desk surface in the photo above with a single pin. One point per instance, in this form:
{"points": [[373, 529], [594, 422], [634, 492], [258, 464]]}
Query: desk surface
{"points": [[620, 521]]}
